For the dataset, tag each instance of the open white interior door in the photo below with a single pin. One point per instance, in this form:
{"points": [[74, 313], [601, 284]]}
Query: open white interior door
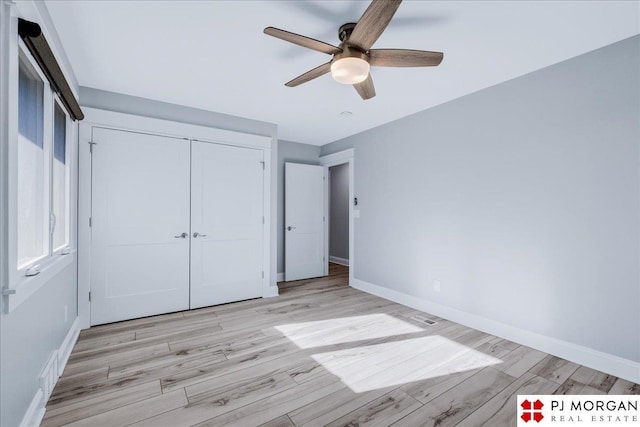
{"points": [[304, 221]]}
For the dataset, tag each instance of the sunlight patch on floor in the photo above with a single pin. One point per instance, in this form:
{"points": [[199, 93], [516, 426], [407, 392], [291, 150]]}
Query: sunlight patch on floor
{"points": [[345, 329], [400, 362]]}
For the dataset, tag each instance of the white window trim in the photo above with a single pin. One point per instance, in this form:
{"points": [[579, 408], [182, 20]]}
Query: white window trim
{"points": [[20, 287]]}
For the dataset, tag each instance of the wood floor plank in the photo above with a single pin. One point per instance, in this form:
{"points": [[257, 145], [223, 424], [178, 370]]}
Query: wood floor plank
{"points": [[129, 325], [574, 387], [592, 378], [283, 421], [99, 341], [428, 389], [209, 325], [134, 412], [497, 347], [383, 411], [72, 377], [206, 372], [451, 407], [501, 409], [64, 414], [555, 369], [178, 358], [334, 406], [520, 360], [278, 404], [214, 402], [624, 387]]}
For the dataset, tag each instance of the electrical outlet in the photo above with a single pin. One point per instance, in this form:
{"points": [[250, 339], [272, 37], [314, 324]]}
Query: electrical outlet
{"points": [[436, 285], [66, 312]]}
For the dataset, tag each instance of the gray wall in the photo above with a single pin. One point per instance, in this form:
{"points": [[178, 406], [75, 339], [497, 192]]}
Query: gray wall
{"points": [[296, 153], [339, 211], [30, 333], [522, 199]]}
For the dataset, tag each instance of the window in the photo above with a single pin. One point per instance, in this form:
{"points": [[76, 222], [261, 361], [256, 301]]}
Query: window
{"points": [[43, 170], [60, 180], [33, 209]]}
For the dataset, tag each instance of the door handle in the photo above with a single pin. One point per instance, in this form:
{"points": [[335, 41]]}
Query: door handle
{"points": [[181, 236], [289, 228], [196, 234]]}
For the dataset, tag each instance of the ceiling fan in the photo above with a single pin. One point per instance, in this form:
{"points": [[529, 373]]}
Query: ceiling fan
{"points": [[353, 58]]}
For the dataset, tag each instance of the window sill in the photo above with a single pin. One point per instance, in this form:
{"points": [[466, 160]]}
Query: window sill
{"points": [[27, 286]]}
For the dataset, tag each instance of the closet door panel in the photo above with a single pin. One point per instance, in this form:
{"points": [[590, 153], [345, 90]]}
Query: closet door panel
{"points": [[140, 203], [226, 223]]}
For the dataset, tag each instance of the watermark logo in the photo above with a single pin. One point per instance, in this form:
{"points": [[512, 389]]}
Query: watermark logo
{"points": [[532, 411], [578, 410]]}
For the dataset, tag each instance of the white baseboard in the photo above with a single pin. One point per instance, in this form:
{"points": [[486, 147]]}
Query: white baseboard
{"points": [[35, 412], [67, 345], [338, 260], [605, 362], [280, 277], [273, 292]]}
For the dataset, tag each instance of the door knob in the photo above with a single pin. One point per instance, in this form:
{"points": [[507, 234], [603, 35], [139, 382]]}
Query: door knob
{"points": [[289, 228], [196, 234], [181, 236]]}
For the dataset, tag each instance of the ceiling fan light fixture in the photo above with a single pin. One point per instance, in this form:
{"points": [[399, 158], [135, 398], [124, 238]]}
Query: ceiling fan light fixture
{"points": [[350, 70]]}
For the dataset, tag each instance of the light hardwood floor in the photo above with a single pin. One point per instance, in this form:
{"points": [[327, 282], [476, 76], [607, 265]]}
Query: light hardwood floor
{"points": [[320, 354]]}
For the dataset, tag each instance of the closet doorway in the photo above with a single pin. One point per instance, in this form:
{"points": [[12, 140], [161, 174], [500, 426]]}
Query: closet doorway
{"points": [[175, 224]]}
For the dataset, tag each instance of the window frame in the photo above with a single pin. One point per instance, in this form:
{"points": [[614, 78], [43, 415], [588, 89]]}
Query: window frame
{"points": [[21, 286], [25, 56], [68, 123]]}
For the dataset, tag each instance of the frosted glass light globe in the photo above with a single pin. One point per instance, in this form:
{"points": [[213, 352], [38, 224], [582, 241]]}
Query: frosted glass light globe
{"points": [[349, 70]]}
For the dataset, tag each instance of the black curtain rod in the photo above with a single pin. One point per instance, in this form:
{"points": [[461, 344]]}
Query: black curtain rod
{"points": [[31, 34]]}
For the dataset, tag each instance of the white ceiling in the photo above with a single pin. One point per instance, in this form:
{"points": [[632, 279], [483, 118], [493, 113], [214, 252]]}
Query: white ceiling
{"points": [[213, 54]]}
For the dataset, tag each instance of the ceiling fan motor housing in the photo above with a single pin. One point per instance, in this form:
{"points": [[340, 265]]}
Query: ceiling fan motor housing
{"points": [[350, 52], [345, 31]]}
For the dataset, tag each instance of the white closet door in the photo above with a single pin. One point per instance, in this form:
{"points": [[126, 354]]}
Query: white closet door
{"points": [[226, 223], [140, 202]]}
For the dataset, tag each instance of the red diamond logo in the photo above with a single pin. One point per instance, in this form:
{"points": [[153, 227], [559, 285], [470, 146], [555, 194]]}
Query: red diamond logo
{"points": [[532, 411]]}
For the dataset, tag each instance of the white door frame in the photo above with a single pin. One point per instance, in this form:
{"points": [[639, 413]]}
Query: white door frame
{"points": [[129, 122], [335, 159]]}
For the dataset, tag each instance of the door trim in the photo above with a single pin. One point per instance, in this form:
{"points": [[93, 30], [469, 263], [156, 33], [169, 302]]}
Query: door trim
{"points": [[133, 123], [335, 159]]}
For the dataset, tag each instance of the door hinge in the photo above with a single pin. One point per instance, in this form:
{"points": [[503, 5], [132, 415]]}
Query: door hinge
{"points": [[323, 219], [89, 296], [6, 292], [91, 144], [90, 222], [263, 219], [262, 165], [263, 274]]}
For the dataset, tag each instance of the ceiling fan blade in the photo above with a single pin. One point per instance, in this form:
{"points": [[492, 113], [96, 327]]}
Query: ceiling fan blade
{"points": [[310, 75], [404, 58], [365, 88], [372, 23], [302, 41]]}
